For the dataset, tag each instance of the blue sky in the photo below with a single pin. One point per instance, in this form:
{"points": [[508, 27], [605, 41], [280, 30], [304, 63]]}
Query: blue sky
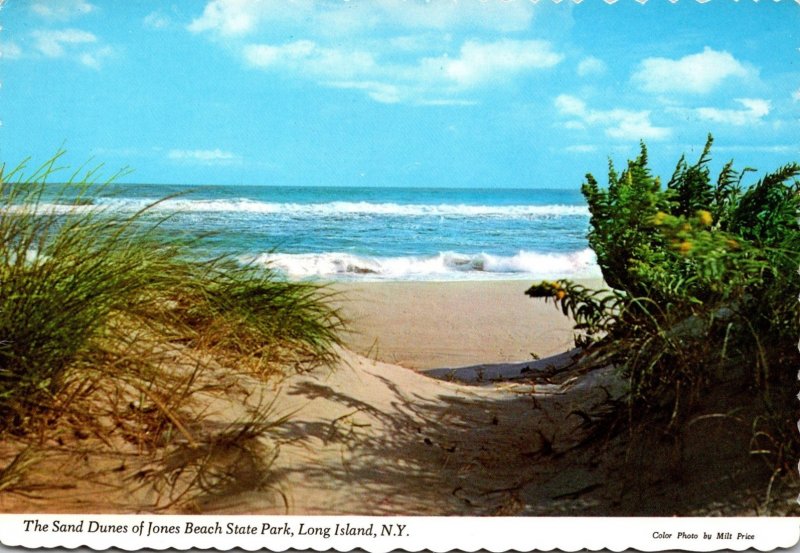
{"points": [[502, 93]]}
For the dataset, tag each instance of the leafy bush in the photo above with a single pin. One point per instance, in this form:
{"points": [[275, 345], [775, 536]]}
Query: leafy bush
{"points": [[704, 283]]}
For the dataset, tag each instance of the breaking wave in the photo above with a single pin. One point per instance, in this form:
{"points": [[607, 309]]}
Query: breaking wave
{"points": [[343, 208], [442, 266]]}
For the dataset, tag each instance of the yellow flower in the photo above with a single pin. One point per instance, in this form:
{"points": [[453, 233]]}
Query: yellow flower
{"points": [[705, 217], [658, 218], [685, 247], [560, 294]]}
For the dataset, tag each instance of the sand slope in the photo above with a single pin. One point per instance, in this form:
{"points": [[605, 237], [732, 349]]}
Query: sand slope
{"points": [[365, 438], [481, 434], [371, 438]]}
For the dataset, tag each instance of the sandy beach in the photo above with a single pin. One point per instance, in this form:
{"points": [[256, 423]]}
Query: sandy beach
{"points": [[427, 325]]}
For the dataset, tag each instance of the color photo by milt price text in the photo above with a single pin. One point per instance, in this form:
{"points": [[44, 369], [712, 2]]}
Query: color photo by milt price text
{"points": [[706, 536]]}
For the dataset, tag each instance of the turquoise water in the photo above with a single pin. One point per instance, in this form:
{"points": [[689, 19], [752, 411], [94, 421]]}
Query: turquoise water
{"points": [[380, 233]]}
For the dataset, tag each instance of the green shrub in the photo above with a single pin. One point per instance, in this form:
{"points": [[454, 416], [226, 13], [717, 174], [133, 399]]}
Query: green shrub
{"points": [[704, 282]]}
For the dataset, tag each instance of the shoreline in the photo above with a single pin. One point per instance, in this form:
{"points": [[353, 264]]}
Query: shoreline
{"points": [[433, 325]]}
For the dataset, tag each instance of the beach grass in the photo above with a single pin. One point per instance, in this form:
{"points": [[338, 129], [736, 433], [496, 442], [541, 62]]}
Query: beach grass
{"points": [[96, 303]]}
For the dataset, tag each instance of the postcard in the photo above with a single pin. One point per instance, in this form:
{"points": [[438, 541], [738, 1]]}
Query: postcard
{"points": [[399, 274]]}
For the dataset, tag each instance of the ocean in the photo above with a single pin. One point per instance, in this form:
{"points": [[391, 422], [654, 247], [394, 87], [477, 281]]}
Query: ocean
{"points": [[348, 233]]}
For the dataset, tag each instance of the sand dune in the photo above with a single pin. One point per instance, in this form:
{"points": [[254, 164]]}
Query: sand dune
{"points": [[373, 438], [369, 437], [365, 438]]}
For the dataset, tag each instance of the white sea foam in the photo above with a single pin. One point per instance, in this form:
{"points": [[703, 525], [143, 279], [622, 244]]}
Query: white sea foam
{"points": [[316, 210], [443, 266], [47, 209], [341, 208]]}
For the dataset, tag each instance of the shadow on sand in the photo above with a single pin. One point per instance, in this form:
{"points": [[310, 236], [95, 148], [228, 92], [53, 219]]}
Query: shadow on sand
{"points": [[512, 449]]}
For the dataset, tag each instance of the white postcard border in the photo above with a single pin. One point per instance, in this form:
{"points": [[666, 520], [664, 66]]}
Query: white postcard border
{"points": [[383, 534]]}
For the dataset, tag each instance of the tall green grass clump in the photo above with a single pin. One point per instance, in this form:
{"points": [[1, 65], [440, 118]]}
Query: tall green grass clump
{"points": [[79, 284], [704, 288]]}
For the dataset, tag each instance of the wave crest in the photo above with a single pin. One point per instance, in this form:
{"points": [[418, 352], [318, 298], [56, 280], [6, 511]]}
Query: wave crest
{"points": [[444, 265], [343, 208]]}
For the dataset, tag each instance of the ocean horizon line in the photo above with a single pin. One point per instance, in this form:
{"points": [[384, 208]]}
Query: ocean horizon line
{"points": [[393, 187]]}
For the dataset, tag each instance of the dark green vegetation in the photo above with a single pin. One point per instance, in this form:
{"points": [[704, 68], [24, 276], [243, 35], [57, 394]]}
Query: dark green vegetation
{"points": [[704, 296], [95, 302]]}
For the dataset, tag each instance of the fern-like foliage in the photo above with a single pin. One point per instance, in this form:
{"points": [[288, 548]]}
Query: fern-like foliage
{"points": [[703, 276]]}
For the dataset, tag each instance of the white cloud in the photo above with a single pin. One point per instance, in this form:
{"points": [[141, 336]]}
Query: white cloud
{"points": [[754, 110], [61, 10], [408, 64], [95, 58], [767, 149], [430, 81], [796, 95], [446, 102], [591, 66], [333, 67], [156, 20], [266, 55], [307, 58], [230, 18], [73, 44], [498, 16], [53, 44], [635, 125], [10, 50], [384, 93], [411, 60], [621, 124], [204, 157], [240, 17], [570, 105], [695, 73], [484, 62]]}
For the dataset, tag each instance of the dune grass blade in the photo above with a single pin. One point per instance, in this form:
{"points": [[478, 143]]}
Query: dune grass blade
{"points": [[71, 271]]}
